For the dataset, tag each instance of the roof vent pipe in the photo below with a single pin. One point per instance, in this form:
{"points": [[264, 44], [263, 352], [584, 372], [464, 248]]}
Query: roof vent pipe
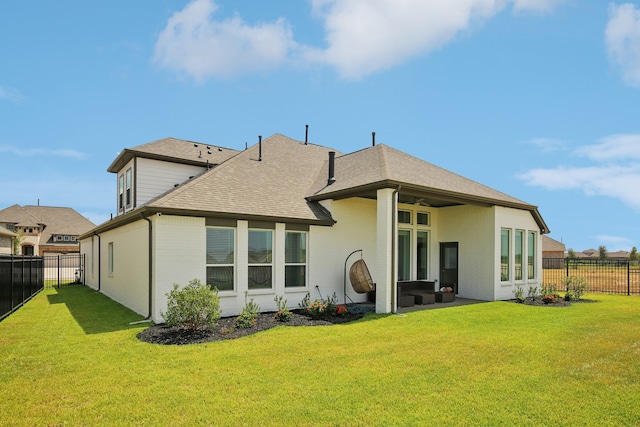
{"points": [[306, 135], [373, 139], [259, 148], [332, 157]]}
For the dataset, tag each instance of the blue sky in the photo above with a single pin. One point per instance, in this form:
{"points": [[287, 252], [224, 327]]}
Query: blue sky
{"points": [[536, 98]]}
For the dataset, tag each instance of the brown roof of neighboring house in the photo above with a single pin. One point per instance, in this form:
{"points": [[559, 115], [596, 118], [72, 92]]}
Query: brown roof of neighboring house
{"points": [[549, 244], [174, 150], [7, 233], [55, 220], [290, 180]]}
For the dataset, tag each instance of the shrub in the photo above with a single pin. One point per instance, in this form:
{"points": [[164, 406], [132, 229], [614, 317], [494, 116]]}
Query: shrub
{"points": [[249, 315], [283, 314], [519, 294], [321, 308], [576, 285], [194, 306], [533, 292]]}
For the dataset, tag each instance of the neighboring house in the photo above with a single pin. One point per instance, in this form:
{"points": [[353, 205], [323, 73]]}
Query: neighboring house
{"points": [[283, 216], [45, 230], [6, 241], [553, 252]]}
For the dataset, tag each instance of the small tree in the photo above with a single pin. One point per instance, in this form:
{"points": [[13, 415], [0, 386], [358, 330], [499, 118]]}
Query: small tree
{"points": [[194, 306], [571, 254], [17, 241], [633, 255], [604, 254]]}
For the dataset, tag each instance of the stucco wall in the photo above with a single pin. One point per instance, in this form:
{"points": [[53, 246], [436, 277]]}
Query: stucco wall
{"points": [[473, 228], [128, 284], [355, 228]]}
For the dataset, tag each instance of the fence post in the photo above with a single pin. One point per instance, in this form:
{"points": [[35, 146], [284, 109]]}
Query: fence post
{"points": [[566, 260], [628, 277], [58, 271]]}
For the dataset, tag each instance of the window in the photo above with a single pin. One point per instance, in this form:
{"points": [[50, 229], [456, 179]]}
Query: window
{"points": [[110, 258], [505, 237], [531, 256], [260, 259], [404, 254], [67, 238], [59, 238], [423, 218], [128, 186], [404, 217], [413, 246], [519, 253], [295, 259], [220, 258], [121, 193], [422, 252]]}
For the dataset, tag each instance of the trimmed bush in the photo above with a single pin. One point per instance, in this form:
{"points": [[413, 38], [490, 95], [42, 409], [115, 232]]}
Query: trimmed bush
{"points": [[193, 307]]}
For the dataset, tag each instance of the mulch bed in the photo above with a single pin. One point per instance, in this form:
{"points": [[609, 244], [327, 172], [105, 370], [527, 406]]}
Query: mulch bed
{"points": [[559, 302], [226, 329]]}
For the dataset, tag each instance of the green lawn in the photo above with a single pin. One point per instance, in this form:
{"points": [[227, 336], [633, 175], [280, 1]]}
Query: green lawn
{"points": [[70, 357]]}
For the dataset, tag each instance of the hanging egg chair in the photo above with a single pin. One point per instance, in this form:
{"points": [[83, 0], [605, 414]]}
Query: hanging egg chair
{"points": [[361, 278]]}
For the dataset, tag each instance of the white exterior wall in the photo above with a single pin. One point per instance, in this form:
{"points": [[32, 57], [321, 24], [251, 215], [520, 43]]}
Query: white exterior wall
{"points": [[154, 177], [515, 219], [179, 256], [355, 228], [128, 284], [474, 230]]}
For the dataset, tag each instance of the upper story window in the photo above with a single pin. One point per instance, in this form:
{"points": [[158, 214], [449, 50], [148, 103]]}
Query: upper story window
{"points": [[121, 193], [128, 181], [422, 218], [404, 217]]}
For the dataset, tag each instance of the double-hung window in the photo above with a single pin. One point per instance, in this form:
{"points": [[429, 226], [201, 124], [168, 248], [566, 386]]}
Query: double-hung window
{"points": [[120, 193], [128, 181], [260, 259], [220, 258], [295, 259]]}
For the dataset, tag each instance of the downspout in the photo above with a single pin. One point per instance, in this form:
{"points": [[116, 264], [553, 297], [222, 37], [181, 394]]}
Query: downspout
{"points": [[394, 238], [149, 316], [99, 259]]}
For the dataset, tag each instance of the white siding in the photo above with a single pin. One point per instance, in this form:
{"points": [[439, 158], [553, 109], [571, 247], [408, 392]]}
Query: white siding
{"points": [[154, 177]]}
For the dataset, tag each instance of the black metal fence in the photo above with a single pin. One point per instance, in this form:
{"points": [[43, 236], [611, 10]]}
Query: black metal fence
{"points": [[21, 277], [603, 276], [63, 270]]}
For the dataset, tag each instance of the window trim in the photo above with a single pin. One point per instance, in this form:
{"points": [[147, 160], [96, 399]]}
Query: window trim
{"points": [[128, 184], [414, 229], [110, 258], [121, 193], [235, 258], [531, 255], [505, 268], [518, 266], [261, 264], [304, 264]]}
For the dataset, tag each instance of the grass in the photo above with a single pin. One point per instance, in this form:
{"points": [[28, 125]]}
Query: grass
{"points": [[71, 357]]}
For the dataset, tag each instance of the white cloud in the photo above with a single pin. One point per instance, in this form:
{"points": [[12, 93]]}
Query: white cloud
{"points": [[362, 36], [10, 94], [617, 178], [622, 37], [31, 152], [201, 47], [622, 146], [548, 145]]}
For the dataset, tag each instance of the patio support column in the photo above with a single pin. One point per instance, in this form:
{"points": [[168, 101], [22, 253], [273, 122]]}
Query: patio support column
{"points": [[385, 258]]}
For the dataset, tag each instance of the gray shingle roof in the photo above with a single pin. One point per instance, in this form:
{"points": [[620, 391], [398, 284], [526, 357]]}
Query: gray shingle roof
{"points": [[275, 187], [381, 166], [175, 150]]}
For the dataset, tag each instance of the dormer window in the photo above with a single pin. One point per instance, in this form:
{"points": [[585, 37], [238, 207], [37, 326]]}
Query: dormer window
{"points": [[128, 187], [120, 193]]}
